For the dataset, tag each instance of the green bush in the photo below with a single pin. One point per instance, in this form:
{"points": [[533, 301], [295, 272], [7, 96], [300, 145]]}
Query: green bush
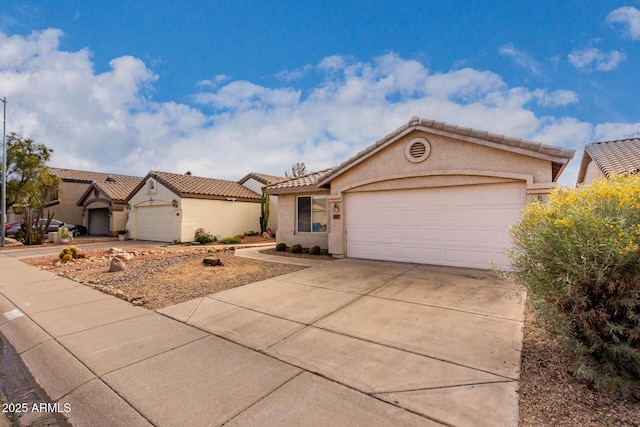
{"points": [[203, 239], [230, 240], [252, 233], [315, 250], [577, 256], [296, 248], [281, 247]]}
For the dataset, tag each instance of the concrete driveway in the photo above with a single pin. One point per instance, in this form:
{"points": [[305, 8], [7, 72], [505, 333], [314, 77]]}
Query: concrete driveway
{"points": [[442, 343]]}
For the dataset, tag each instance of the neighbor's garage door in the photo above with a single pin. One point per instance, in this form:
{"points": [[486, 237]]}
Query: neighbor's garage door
{"points": [[98, 221], [463, 226], [155, 223]]}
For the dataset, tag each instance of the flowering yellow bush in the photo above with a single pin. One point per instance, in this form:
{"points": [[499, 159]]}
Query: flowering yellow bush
{"points": [[578, 256]]}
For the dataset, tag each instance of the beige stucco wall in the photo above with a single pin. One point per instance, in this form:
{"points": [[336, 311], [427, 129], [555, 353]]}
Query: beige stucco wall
{"points": [[67, 210], [593, 172], [287, 221], [448, 157], [221, 218]]}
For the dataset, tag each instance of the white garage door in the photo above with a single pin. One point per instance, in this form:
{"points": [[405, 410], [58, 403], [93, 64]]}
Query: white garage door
{"points": [[155, 223], [464, 226]]}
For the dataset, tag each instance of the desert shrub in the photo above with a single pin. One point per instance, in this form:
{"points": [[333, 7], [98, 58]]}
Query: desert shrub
{"points": [[203, 239], [252, 233], [315, 250], [230, 240], [281, 247], [67, 258], [296, 248], [577, 256]]}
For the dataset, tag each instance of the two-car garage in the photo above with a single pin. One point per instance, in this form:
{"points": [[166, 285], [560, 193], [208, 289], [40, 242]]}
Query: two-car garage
{"points": [[459, 225]]}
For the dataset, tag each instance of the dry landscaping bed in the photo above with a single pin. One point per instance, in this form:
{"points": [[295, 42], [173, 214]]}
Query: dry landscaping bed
{"points": [[156, 278]]}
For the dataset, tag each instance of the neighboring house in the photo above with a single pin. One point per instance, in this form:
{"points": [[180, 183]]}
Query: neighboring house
{"points": [[104, 205], [170, 207], [74, 184], [257, 182], [603, 159], [428, 193]]}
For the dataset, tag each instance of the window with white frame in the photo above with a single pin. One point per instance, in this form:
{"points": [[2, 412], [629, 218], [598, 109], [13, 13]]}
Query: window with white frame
{"points": [[312, 214]]}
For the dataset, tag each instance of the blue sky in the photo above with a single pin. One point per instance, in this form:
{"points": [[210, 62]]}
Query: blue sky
{"points": [[222, 88]]}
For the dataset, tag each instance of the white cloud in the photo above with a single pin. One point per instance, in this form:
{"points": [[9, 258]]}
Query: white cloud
{"points": [[293, 75], [110, 122], [213, 83], [590, 59], [629, 17], [556, 98], [521, 58]]}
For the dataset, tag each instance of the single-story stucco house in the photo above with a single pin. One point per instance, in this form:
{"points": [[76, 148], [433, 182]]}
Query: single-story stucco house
{"points": [[169, 207], [257, 182], [429, 193], [104, 205], [604, 159], [73, 185]]}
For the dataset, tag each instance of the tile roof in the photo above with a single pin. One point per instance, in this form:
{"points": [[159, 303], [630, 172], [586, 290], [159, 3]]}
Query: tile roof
{"points": [[557, 155], [307, 182], [196, 187], [115, 189], [621, 156], [74, 175], [262, 177], [118, 189]]}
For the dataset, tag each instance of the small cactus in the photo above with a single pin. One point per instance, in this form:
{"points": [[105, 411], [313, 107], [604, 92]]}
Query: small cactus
{"points": [[314, 250], [73, 249], [281, 247], [67, 258], [296, 248], [61, 254]]}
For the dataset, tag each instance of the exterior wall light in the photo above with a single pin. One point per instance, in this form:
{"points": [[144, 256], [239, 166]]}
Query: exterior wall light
{"points": [[174, 203]]}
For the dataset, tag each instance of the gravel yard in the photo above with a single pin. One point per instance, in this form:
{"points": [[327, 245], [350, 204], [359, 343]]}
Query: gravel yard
{"points": [[157, 278], [161, 277]]}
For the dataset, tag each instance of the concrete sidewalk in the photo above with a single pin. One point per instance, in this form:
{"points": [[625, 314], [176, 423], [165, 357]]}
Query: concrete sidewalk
{"points": [[307, 348]]}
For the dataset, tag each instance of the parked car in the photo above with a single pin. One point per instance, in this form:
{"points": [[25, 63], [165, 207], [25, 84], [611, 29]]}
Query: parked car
{"points": [[12, 228], [76, 230]]}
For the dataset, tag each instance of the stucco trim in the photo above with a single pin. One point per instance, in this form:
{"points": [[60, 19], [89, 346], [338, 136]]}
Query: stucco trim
{"points": [[461, 172]]}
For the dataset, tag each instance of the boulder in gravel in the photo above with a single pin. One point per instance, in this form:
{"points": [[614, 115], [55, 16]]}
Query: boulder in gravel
{"points": [[212, 261], [117, 265]]}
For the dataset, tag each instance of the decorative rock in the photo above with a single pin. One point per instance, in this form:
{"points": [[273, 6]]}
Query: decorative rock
{"points": [[115, 250], [117, 265], [124, 256], [211, 261]]}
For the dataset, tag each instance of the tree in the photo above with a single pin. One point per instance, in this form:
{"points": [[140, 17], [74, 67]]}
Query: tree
{"points": [[297, 169], [29, 183]]}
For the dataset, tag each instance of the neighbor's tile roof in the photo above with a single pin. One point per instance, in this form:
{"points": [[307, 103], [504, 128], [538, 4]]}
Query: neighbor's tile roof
{"points": [[115, 188], [262, 177], [190, 186], [622, 156], [74, 175], [118, 189], [308, 181]]}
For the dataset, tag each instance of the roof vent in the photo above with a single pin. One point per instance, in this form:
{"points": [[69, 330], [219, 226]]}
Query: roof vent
{"points": [[417, 150]]}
